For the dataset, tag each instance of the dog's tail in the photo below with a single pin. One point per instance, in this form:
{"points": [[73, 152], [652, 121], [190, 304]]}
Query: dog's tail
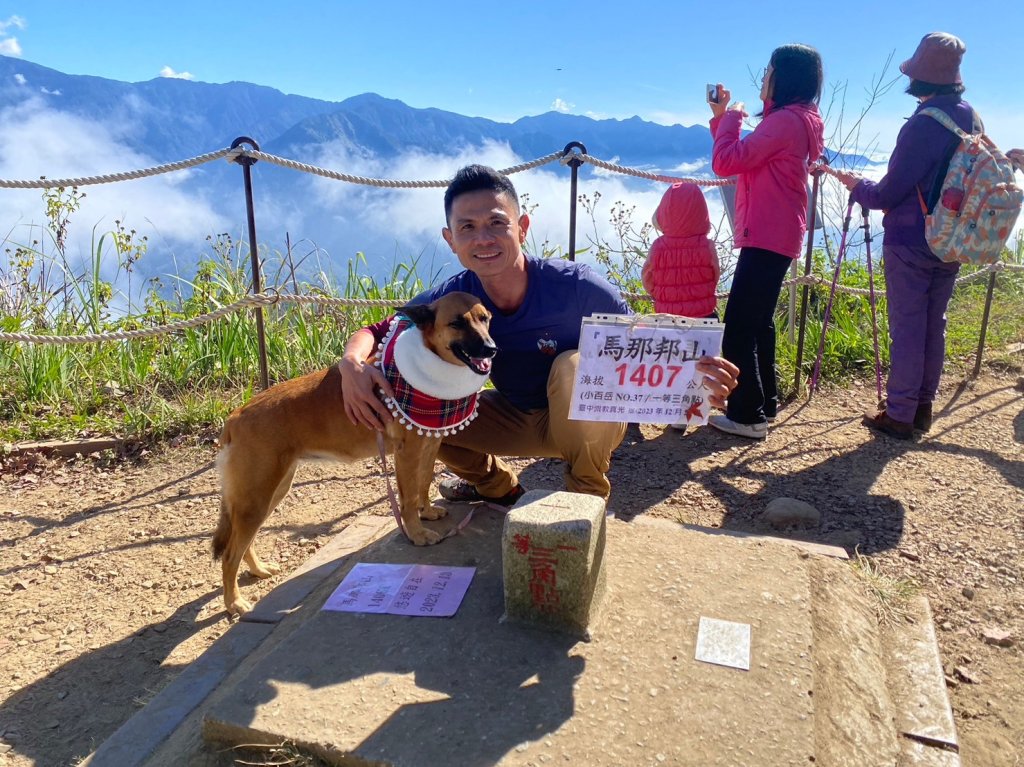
{"points": [[222, 534]]}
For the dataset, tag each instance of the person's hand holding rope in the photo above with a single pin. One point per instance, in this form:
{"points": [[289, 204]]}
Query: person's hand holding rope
{"points": [[847, 178]]}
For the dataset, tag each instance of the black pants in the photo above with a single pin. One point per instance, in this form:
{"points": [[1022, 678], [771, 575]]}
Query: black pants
{"points": [[749, 339]]}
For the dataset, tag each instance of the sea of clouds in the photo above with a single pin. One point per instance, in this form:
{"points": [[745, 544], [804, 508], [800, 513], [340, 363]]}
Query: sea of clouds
{"points": [[327, 222]]}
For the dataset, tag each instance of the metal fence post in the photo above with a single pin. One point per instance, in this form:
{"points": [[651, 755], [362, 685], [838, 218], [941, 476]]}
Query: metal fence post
{"points": [[574, 164], [984, 323], [261, 338]]}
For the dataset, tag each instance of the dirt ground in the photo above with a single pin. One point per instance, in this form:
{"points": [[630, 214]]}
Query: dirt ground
{"points": [[107, 588]]}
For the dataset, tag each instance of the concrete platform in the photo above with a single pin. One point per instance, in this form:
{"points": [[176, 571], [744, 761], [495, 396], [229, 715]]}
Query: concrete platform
{"points": [[470, 690]]}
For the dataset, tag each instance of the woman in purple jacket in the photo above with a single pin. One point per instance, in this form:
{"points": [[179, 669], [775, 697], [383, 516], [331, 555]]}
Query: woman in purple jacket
{"points": [[770, 221], [917, 284]]}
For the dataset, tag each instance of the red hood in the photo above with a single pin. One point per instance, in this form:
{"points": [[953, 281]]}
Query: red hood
{"points": [[683, 212]]}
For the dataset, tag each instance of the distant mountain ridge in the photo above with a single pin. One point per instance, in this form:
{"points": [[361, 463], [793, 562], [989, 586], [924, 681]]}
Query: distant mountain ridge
{"points": [[181, 118]]}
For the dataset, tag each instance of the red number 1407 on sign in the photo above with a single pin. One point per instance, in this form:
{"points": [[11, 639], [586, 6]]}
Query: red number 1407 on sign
{"points": [[648, 375]]}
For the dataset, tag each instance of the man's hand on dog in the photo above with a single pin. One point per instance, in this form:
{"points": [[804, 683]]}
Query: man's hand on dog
{"points": [[720, 376], [360, 381]]}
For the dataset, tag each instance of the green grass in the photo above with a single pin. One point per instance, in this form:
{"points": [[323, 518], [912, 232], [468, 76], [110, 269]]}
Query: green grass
{"points": [[155, 387], [173, 383], [890, 596]]}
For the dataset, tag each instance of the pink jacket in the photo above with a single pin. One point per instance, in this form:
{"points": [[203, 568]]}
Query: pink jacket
{"points": [[681, 272], [771, 163]]}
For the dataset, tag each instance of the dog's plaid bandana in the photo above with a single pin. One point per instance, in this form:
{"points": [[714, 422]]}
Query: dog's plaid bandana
{"points": [[427, 414]]}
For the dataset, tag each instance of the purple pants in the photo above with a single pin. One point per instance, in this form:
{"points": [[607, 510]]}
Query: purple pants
{"points": [[918, 286]]}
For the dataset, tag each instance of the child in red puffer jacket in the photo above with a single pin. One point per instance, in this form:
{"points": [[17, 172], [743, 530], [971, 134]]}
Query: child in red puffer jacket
{"points": [[681, 272]]}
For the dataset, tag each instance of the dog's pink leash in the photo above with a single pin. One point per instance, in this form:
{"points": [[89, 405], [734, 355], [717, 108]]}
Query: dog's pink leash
{"points": [[394, 498], [387, 478]]}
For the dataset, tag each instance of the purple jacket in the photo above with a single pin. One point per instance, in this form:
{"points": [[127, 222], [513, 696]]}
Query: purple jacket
{"points": [[921, 148], [771, 165]]}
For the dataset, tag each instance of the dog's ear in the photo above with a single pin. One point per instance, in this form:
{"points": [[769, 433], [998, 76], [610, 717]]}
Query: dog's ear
{"points": [[420, 314]]}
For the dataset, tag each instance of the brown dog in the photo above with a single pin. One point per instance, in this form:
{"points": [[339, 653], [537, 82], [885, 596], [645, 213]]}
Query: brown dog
{"points": [[264, 439]]}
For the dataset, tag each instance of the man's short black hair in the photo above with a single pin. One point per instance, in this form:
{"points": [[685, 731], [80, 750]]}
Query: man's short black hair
{"points": [[921, 89], [473, 178]]}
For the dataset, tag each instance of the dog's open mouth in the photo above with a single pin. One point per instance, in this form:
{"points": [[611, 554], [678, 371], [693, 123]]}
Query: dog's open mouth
{"points": [[479, 365]]}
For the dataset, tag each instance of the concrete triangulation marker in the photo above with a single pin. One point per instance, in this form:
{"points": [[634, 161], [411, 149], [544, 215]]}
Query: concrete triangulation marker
{"points": [[553, 560]]}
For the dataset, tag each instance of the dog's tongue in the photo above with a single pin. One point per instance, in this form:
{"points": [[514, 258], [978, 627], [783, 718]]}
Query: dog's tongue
{"points": [[483, 364]]}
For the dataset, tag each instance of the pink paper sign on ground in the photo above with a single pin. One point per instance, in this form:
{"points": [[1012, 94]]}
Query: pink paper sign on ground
{"points": [[424, 590]]}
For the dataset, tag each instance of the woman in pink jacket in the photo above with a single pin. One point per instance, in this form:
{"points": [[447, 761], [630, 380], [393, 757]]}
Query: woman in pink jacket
{"points": [[770, 221]]}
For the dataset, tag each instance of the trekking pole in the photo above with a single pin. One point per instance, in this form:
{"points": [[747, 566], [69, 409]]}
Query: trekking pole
{"points": [[806, 288], [871, 300], [831, 296], [984, 323]]}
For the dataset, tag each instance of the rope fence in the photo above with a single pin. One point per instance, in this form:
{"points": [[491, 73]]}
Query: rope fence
{"points": [[131, 175], [274, 298], [573, 155]]}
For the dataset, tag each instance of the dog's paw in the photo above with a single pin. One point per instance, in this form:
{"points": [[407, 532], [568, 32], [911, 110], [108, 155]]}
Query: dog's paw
{"points": [[239, 607], [265, 570], [433, 512], [424, 537]]}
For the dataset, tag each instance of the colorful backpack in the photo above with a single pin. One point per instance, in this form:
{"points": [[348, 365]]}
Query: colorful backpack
{"points": [[975, 205]]}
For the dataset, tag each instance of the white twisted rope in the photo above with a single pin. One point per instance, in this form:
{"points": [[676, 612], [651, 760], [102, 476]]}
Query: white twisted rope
{"points": [[386, 182], [232, 154], [645, 174], [814, 279], [46, 183], [260, 299], [267, 299]]}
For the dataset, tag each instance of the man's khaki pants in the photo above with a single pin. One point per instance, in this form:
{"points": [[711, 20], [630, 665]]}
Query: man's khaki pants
{"points": [[501, 429]]}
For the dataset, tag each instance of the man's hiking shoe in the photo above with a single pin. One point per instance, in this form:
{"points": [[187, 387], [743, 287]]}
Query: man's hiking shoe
{"points": [[881, 421], [923, 417], [749, 430], [459, 490]]}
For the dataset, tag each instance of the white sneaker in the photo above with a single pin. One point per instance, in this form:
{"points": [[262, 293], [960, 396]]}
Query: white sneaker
{"points": [[749, 430]]}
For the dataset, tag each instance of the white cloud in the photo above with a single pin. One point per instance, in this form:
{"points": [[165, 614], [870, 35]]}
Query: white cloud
{"points": [[37, 141], [48, 92], [20, 79], [688, 168], [168, 72], [9, 47], [562, 106], [11, 21]]}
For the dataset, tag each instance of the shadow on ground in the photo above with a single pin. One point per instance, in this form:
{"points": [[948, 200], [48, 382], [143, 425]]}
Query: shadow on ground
{"points": [[44, 721]]}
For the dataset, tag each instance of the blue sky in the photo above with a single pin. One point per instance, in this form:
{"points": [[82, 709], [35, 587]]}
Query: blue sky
{"points": [[507, 60]]}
